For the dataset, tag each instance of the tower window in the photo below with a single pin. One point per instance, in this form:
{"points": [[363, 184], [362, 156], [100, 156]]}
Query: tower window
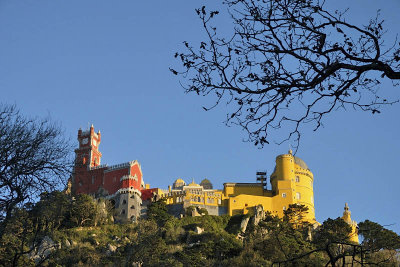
{"points": [[298, 195], [297, 179], [283, 194], [92, 179], [123, 212], [124, 201]]}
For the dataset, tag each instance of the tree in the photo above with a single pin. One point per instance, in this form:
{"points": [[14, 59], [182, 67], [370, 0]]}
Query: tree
{"points": [[158, 212], [34, 158], [376, 241], [295, 214], [332, 237], [83, 211], [288, 62]]}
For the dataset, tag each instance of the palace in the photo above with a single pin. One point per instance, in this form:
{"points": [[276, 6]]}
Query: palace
{"points": [[291, 183], [121, 183]]}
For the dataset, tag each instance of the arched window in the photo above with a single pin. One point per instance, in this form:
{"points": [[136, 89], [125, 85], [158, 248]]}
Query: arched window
{"points": [[123, 212], [298, 195], [124, 201]]}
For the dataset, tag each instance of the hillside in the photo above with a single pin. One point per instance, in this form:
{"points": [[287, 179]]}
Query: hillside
{"points": [[60, 231]]}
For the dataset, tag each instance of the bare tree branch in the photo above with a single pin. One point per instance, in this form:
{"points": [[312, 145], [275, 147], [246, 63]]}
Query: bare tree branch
{"points": [[287, 63]]}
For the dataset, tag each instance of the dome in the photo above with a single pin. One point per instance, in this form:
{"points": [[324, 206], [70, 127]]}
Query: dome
{"points": [[179, 180], [300, 162], [206, 184], [179, 183], [205, 181]]}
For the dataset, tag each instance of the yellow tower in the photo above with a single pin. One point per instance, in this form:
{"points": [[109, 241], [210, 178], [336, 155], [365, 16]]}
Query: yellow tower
{"points": [[347, 218], [292, 183]]}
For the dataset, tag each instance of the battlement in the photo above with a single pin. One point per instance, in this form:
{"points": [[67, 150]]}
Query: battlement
{"points": [[121, 166]]}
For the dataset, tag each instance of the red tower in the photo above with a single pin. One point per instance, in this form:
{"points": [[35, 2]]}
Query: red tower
{"points": [[122, 182], [88, 154]]}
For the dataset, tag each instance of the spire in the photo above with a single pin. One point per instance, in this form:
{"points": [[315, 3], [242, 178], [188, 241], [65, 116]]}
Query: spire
{"points": [[346, 207], [346, 214]]}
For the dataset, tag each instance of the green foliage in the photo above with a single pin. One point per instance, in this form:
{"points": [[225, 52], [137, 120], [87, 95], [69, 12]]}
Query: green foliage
{"points": [[295, 214], [83, 210], [376, 237], [163, 240], [158, 212], [234, 222], [203, 211], [51, 211], [333, 231], [189, 210]]}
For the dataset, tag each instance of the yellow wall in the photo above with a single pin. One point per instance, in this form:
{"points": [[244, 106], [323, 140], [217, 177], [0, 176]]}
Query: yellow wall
{"points": [[292, 183]]}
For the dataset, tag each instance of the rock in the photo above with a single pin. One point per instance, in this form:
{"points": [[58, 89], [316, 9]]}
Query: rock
{"points": [[243, 224], [110, 249], [259, 214], [198, 230], [43, 250], [67, 243]]}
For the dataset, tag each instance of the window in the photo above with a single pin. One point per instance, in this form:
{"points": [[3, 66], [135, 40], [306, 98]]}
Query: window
{"points": [[298, 195], [219, 201], [297, 179], [124, 201], [133, 207], [284, 207], [123, 212], [283, 194], [92, 179]]}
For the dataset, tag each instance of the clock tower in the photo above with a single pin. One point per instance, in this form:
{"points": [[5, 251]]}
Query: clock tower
{"points": [[88, 154]]}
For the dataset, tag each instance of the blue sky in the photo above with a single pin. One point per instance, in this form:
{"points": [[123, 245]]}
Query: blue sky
{"points": [[106, 63]]}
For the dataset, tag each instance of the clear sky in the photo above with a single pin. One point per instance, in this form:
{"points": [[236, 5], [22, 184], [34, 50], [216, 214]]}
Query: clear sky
{"points": [[106, 63]]}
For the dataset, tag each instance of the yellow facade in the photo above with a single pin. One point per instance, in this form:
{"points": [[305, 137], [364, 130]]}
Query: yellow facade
{"points": [[347, 218], [291, 182]]}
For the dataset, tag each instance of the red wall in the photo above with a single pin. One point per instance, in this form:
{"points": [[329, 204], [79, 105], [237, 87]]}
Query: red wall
{"points": [[112, 179]]}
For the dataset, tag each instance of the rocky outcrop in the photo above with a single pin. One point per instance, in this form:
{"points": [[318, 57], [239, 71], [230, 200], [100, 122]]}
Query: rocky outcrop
{"points": [[40, 252]]}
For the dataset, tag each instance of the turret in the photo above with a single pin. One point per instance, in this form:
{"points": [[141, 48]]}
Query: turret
{"points": [[292, 183], [353, 224]]}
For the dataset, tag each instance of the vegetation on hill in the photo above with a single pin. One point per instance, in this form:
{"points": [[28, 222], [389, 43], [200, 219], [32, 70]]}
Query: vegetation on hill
{"points": [[64, 231]]}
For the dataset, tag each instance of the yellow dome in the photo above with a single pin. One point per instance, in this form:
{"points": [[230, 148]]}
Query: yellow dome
{"points": [[179, 180]]}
